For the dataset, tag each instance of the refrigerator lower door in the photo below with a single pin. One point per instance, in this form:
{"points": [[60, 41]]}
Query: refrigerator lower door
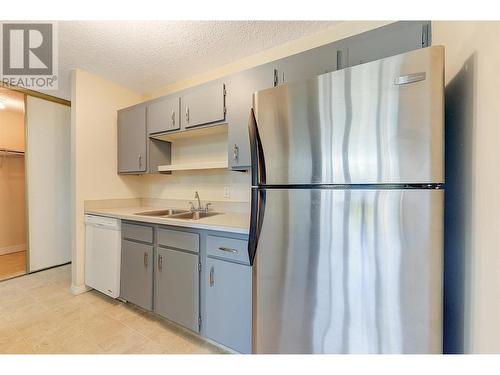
{"points": [[349, 271]]}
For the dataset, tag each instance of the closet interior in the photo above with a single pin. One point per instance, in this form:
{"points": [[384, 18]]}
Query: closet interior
{"points": [[13, 222]]}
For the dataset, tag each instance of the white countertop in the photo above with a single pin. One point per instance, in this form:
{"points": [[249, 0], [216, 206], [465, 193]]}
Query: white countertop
{"points": [[227, 222]]}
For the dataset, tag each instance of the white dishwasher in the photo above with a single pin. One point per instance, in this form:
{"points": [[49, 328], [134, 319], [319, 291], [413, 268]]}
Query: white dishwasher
{"points": [[103, 254]]}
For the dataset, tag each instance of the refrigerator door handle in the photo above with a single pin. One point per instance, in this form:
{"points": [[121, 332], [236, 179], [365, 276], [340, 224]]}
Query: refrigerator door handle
{"points": [[256, 152], [256, 219]]}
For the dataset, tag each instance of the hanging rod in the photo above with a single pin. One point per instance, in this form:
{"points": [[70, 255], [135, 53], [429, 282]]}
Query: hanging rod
{"points": [[12, 152]]}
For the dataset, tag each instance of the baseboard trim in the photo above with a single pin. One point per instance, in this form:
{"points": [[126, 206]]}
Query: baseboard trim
{"points": [[12, 249], [79, 289]]}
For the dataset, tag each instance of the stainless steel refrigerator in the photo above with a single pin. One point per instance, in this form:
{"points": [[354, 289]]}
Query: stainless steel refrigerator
{"points": [[346, 236]]}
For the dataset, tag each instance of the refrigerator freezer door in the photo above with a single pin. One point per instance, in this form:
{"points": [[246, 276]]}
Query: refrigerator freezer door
{"points": [[349, 271], [379, 122]]}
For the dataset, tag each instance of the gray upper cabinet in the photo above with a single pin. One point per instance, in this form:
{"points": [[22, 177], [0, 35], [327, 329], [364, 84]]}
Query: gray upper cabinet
{"points": [[203, 105], [390, 40], [206, 104], [228, 315], [132, 140], [176, 291], [163, 115], [310, 63], [240, 88], [136, 283]]}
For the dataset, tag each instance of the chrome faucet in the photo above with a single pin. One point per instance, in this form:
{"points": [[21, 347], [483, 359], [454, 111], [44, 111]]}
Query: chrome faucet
{"points": [[192, 208], [197, 196]]}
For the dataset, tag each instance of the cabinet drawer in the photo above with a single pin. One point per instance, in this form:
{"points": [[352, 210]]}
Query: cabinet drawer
{"points": [[179, 240], [137, 232], [228, 248]]}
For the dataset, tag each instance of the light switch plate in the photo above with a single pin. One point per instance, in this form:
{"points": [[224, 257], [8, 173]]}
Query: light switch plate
{"points": [[227, 192]]}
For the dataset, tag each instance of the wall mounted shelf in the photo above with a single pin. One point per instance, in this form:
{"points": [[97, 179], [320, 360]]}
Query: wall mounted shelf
{"points": [[193, 166]]}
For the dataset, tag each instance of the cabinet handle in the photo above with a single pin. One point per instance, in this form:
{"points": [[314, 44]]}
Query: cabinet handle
{"points": [[283, 78], [140, 160], [145, 259], [187, 115], [173, 117], [236, 152], [228, 249], [160, 262], [211, 280], [276, 77]]}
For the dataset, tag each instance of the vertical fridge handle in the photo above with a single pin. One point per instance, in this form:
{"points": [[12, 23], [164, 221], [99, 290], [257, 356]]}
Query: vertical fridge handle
{"points": [[256, 152], [256, 219]]}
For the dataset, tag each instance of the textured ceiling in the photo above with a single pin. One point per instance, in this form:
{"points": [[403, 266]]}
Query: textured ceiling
{"points": [[147, 55]]}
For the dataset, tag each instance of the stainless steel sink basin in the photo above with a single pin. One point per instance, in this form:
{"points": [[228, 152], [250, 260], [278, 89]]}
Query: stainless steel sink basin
{"points": [[196, 215], [166, 212]]}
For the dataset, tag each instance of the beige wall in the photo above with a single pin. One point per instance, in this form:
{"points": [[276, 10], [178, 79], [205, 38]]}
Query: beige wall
{"points": [[12, 180], [473, 174], [12, 129], [94, 154]]}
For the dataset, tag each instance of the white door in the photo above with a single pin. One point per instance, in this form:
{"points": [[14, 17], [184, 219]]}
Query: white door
{"points": [[48, 183]]}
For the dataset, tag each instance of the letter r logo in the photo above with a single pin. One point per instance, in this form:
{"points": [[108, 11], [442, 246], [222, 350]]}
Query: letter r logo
{"points": [[27, 49]]}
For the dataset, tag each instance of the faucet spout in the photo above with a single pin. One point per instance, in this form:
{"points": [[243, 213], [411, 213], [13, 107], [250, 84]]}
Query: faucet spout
{"points": [[197, 196]]}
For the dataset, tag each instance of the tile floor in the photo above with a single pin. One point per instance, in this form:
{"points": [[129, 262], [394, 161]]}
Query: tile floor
{"points": [[38, 314], [13, 264]]}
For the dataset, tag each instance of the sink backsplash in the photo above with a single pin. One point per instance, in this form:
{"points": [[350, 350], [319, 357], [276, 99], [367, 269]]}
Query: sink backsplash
{"points": [[221, 206]]}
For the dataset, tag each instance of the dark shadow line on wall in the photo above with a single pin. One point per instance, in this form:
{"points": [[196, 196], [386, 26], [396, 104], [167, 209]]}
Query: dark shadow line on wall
{"points": [[459, 136]]}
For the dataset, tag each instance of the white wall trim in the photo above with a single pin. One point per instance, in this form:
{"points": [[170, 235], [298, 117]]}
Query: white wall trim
{"points": [[12, 249], [79, 289]]}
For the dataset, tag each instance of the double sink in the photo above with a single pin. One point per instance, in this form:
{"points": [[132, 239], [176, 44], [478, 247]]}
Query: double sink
{"points": [[178, 214]]}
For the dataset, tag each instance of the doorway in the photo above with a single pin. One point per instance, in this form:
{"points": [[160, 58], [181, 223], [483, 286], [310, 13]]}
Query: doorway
{"points": [[13, 222]]}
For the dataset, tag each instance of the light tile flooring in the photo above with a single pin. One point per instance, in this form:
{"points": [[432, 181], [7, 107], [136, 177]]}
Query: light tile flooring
{"points": [[13, 264], [38, 314]]}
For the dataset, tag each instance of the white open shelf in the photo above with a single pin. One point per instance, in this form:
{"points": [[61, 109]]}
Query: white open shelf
{"points": [[193, 166], [197, 149]]}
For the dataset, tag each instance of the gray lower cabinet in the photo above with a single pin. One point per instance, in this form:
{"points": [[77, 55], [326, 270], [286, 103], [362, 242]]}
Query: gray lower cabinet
{"points": [[176, 287], [163, 115], [136, 284], [132, 140], [203, 105], [228, 311]]}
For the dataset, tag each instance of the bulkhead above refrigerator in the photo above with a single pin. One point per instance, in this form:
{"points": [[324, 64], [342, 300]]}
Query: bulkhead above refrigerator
{"points": [[379, 122]]}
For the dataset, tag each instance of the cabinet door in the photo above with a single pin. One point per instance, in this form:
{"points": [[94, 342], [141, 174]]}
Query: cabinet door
{"points": [[163, 115], [228, 310], [203, 105], [137, 274], [240, 89], [176, 287], [132, 140], [390, 40], [310, 63]]}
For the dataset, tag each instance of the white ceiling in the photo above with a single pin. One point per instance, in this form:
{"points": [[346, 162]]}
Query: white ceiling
{"points": [[147, 55]]}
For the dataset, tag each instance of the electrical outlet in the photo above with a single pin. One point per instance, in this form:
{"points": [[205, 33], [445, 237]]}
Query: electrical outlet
{"points": [[227, 192]]}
